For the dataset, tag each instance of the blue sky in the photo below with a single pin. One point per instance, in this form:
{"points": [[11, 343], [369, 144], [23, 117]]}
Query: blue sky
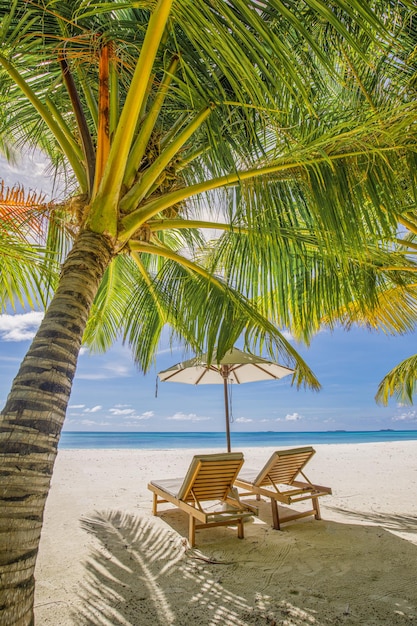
{"points": [[110, 394]]}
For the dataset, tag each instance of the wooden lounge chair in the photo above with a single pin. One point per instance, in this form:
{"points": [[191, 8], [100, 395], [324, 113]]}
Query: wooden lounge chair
{"points": [[277, 481], [210, 477]]}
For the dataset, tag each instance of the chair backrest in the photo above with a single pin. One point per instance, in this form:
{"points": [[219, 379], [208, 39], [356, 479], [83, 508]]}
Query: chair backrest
{"points": [[210, 476], [284, 466]]}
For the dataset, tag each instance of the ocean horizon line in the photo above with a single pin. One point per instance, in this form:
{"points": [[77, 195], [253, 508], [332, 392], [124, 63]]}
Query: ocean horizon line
{"points": [[217, 439]]}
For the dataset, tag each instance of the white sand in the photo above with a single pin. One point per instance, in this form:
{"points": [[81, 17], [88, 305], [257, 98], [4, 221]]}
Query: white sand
{"points": [[105, 560]]}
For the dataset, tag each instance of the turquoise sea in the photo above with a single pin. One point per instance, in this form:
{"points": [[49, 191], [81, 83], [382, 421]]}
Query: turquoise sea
{"points": [[190, 440]]}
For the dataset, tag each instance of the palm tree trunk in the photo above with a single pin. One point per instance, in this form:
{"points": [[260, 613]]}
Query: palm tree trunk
{"points": [[32, 419]]}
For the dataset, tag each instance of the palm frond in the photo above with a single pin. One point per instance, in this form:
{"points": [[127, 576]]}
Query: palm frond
{"points": [[401, 382], [29, 269]]}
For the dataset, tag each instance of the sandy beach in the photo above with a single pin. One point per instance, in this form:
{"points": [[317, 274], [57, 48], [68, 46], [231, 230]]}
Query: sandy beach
{"points": [[105, 560]]}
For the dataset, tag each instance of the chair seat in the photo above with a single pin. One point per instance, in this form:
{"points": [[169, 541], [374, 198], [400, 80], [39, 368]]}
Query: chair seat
{"points": [[170, 485]]}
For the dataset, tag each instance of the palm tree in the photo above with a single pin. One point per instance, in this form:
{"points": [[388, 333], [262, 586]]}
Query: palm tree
{"points": [[170, 119]]}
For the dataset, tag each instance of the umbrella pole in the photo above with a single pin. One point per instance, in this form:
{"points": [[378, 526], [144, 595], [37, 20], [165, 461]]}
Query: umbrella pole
{"points": [[226, 407]]}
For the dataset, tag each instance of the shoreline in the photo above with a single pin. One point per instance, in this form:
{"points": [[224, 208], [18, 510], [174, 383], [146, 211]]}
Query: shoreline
{"points": [[104, 559]]}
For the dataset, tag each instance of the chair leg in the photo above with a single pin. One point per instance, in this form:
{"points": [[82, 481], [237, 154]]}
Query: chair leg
{"points": [[191, 531], [240, 530], [275, 515], [316, 506], [154, 504]]}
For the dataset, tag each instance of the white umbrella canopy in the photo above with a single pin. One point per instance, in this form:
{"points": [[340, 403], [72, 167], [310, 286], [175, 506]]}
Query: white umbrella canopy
{"points": [[235, 367]]}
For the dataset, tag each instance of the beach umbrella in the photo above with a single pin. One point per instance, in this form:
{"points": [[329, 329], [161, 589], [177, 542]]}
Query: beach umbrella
{"points": [[235, 367]]}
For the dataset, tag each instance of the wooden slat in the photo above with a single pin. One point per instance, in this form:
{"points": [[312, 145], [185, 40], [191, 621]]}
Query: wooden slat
{"points": [[286, 467], [207, 480], [212, 480]]}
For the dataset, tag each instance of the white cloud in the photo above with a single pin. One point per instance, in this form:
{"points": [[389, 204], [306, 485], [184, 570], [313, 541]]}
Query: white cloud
{"points": [[189, 417], [20, 327], [99, 376], [31, 172], [85, 422], [243, 420], [292, 417], [409, 416], [144, 416], [117, 369], [126, 411], [123, 416], [94, 409], [111, 370], [122, 411], [89, 423]]}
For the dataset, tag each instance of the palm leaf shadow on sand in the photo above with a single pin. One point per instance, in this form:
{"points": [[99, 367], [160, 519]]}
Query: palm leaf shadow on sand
{"points": [[389, 521], [139, 569], [315, 574]]}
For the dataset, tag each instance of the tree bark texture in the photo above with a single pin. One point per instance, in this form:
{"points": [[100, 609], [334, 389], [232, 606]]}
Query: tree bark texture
{"points": [[32, 419]]}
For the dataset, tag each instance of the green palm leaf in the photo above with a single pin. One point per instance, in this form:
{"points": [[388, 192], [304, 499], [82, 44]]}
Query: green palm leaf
{"points": [[401, 382]]}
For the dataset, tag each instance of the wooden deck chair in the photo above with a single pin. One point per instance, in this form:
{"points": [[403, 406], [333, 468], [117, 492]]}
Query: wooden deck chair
{"points": [[210, 477], [277, 481]]}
